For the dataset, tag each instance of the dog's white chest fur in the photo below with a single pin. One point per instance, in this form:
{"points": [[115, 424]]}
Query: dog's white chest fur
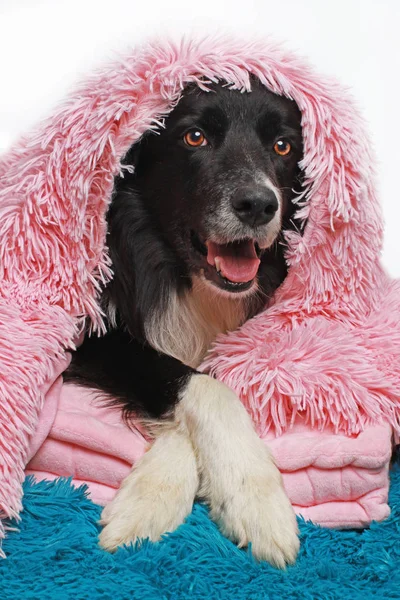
{"points": [[191, 323]]}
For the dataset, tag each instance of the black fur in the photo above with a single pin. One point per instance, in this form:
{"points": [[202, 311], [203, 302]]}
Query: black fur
{"points": [[144, 381], [163, 213]]}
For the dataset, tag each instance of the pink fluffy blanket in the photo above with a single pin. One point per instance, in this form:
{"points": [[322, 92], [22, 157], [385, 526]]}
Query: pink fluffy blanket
{"points": [[326, 350]]}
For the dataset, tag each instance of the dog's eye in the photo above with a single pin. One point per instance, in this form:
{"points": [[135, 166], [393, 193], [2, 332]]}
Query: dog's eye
{"points": [[195, 138], [282, 147]]}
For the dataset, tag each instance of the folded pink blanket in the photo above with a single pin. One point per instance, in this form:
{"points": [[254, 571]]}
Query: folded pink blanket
{"points": [[332, 479]]}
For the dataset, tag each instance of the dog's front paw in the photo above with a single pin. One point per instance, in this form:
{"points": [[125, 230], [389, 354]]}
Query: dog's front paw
{"points": [[260, 512], [156, 496], [145, 510]]}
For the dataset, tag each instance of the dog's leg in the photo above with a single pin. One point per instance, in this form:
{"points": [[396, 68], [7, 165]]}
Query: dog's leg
{"points": [[157, 495], [239, 479]]}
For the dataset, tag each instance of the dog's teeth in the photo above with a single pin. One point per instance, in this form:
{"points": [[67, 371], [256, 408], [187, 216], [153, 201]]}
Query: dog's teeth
{"points": [[218, 263]]}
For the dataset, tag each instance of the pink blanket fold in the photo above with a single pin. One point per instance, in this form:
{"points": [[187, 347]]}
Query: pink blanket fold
{"points": [[334, 480]]}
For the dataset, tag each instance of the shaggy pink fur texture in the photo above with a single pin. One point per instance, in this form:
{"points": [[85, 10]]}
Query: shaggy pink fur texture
{"points": [[329, 345]]}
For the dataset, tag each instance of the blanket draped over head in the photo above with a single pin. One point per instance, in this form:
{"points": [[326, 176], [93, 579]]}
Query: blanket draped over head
{"points": [[326, 349]]}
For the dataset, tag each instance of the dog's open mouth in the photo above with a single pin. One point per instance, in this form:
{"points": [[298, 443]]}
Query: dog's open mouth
{"points": [[232, 266]]}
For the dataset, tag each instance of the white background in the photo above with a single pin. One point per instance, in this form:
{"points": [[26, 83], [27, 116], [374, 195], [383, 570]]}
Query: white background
{"points": [[47, 45]]}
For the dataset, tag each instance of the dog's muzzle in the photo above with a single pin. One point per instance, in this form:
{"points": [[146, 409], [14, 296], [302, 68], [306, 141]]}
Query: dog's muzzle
{"points": [[247, 222]]}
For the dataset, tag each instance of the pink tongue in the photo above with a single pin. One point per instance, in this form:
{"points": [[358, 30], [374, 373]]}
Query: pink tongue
{"points": [[238, 261]]}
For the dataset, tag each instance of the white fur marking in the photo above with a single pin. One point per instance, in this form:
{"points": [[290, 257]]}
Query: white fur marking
{"points": [[186, 329]]}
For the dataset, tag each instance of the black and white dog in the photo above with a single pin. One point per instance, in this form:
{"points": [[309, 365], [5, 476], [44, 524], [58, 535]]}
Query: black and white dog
{"points": [[195, 232]]}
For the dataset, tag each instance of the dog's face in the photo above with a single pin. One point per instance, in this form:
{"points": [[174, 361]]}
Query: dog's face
{"points": [[218, 179]]}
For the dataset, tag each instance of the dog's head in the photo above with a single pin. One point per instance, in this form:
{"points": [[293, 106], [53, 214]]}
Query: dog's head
{"points": [[218, 178]]}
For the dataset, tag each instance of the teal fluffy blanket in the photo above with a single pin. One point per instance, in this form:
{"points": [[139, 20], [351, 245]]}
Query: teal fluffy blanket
{"points": [[54, 555]]}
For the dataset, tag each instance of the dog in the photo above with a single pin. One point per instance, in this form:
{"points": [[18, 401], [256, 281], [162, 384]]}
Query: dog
{"points": [[196, 237]]}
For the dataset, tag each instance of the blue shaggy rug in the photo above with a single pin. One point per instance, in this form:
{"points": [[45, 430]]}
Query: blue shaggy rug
{"points": [[54, 555]]}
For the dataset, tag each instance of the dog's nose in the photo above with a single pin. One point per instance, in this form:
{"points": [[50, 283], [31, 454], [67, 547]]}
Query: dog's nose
{"points": [[255, 208]]}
